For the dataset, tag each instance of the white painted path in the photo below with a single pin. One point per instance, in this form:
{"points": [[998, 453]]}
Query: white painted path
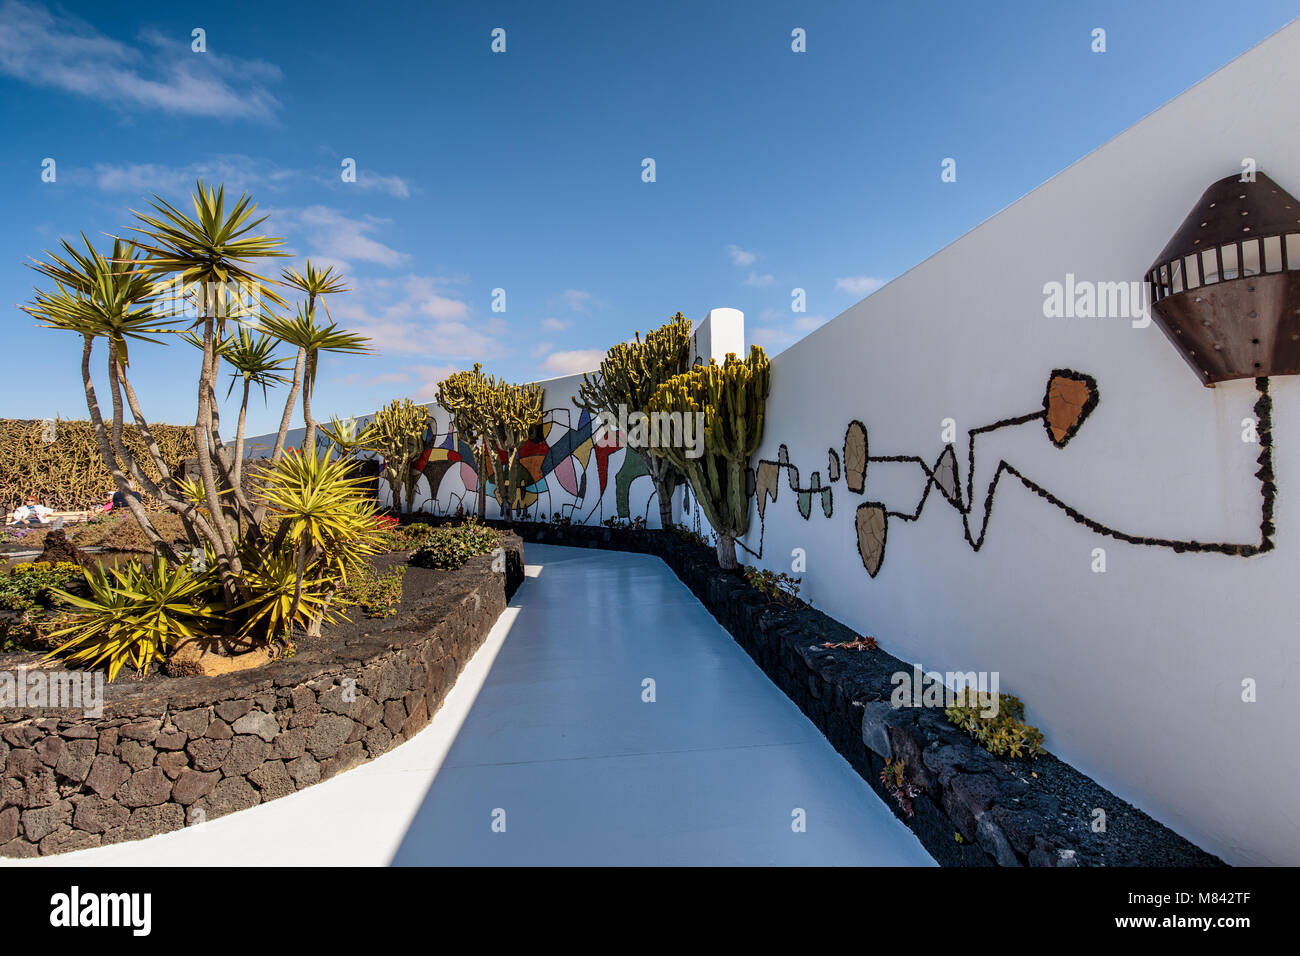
{"points": [[547, 730]]}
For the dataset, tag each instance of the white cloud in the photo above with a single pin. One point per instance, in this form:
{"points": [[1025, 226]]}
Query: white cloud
{"points": [[739, 256], [383, 378], [570, 363], [418, 315], [555, 325], [577, 299], [859, 285], [393, 185], [65, 53], [236, 172], [759, 280], [540, 349], [331, 235], [429, 376]]}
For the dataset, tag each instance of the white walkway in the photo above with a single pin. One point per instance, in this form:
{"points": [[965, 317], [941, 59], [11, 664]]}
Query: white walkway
{"points": [[547, 734]]}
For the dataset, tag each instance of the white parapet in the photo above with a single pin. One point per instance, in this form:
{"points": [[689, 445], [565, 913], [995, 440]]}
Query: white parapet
{"points": [[719, 332]]}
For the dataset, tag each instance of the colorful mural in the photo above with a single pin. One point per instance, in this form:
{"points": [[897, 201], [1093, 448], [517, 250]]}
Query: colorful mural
{"points": [[563, 469]]}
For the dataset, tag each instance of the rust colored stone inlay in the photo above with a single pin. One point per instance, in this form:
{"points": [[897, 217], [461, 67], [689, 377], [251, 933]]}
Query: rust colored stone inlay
{"points": [[1070, 398]]}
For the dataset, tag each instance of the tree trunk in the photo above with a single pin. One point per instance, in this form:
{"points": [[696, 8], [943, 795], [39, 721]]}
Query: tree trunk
{"points": [[665, 507], [726, 547], [309, 423], [482, 483], [286, 419]]}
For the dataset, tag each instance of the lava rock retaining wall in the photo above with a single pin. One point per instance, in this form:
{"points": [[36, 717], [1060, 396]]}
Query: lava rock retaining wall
{"points": [[1036, 812], [175, 752]]}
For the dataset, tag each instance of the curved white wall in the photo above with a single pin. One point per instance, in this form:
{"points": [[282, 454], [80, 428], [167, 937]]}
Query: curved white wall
{"points": [[1135, 674]]}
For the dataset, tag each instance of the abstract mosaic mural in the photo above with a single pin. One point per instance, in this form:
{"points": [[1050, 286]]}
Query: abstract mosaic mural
{"points": [[1068, 400], [562, 469]]}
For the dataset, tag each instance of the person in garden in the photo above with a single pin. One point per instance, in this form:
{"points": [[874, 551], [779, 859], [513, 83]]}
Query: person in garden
{"points": [[32, 512]]}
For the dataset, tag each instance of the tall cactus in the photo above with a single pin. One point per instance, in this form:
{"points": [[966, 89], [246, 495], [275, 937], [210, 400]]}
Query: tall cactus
{"points": [[465, 395], [732, 397], [397, 433], [629, 375], [514, 412]]}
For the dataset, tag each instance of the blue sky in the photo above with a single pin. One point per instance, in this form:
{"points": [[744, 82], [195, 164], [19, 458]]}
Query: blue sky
{"points": [[523, 170]]}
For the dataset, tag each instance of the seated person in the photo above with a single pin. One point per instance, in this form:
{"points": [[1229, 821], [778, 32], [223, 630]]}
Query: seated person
{"points": [[119, 499], [30, 513]]}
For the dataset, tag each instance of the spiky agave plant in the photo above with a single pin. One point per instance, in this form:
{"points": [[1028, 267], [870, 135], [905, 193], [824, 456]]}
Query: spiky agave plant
{"points": [[326, 523], [135, 615]]}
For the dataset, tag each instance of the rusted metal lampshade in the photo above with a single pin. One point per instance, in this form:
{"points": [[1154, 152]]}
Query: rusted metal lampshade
{"points": [[1226, 289]]}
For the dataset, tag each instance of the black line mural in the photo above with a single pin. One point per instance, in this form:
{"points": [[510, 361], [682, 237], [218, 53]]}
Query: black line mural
{"points": [[1068, 400]]}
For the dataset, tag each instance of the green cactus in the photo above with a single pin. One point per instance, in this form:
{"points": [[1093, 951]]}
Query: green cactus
{"points": [[465, 396], [397, 433], [514, 412], [732, 396], [629, 375]]}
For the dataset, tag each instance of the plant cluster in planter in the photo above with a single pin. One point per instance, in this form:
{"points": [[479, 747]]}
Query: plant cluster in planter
{"points": [[450, 546], [777, 587], [29, 595], [261, 558], [1005, 734]]}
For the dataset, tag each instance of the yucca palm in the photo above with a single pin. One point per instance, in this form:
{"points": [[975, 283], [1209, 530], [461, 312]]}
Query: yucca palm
{"points": [[323, 527], [281, 599], [211, 251], [313, 282], [311, 339], [111, 297], [253, 362], [347, 435]]}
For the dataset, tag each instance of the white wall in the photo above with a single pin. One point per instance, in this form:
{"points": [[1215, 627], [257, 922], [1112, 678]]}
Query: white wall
{"points": [[1134, 674]]}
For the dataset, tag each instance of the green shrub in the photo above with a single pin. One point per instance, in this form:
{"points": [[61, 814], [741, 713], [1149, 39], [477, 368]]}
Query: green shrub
{"points": [[625, 524], [414, 535], [1005, 734], [31, 584], [777, 588], [689, 536], [31, 590], [449, 547], [377, 594]]}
